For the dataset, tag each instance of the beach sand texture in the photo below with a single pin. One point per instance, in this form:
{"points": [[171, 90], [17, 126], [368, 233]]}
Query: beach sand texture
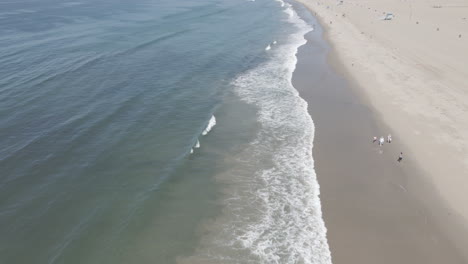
{"points": [[413, 71]]}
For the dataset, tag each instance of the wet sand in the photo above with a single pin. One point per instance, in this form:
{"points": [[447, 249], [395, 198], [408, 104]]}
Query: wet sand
{"points": [[371, 202]]}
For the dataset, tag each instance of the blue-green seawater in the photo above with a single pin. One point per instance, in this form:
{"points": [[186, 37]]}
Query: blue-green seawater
{"points": [[154, 131]]}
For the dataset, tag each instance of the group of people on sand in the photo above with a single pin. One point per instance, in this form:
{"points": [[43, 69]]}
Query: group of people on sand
{"points": [[381, 141]]}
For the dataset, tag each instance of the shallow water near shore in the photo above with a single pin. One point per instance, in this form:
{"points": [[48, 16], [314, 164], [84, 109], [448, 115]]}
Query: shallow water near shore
{"points": [[155, 132]]}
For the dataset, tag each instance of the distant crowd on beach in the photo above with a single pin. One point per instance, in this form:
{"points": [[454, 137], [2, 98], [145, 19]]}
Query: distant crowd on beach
{"points": [[381, 141]]}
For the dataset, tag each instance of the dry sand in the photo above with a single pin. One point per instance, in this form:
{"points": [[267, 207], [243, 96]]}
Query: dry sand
{"points": [[414, 78]]}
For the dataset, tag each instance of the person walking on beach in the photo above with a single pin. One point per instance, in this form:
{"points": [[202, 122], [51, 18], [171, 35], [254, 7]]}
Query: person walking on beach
{"points": [[400, 158], [389, 138], [375, 139], [381, 141]]}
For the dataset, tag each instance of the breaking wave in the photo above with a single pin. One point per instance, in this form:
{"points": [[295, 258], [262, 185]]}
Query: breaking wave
{"points": [[272, 211], [210, 125]]}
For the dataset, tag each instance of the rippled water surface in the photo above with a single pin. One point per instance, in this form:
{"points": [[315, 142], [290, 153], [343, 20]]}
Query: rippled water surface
{"points": [[154, 132]]}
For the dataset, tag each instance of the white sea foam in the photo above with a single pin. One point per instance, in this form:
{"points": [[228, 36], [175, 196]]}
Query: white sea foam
{"points": [[197, 145], [291, 228], [208, 128], [268, 47], [210, 125], [272, 211], [281, 2], [289, 11], [274, 42]]}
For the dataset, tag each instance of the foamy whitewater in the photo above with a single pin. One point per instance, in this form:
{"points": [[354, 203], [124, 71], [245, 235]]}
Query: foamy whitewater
{"points": [[272, 211], [104, 102], [209, 126]]}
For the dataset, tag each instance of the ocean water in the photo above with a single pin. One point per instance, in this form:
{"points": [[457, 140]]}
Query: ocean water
{"points": [[155, 132]]}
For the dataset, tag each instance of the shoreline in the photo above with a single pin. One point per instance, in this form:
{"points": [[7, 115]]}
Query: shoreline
{"points": [[371, 204], [414, 83]]}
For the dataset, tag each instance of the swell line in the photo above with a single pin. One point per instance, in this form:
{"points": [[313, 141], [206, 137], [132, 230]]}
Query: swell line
{"points": [[152, 42]]}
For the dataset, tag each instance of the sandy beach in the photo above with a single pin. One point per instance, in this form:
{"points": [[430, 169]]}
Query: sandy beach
{"points": [[404, 76]]}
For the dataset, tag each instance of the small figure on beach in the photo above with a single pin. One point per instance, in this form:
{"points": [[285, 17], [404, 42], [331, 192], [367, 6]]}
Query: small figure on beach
{"points": [[400, 157], [389, 138], [374, 140], [381, 141]]}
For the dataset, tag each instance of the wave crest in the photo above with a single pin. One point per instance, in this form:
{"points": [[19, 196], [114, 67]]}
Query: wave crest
{"points": [[210, 125], [271, 208]]}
